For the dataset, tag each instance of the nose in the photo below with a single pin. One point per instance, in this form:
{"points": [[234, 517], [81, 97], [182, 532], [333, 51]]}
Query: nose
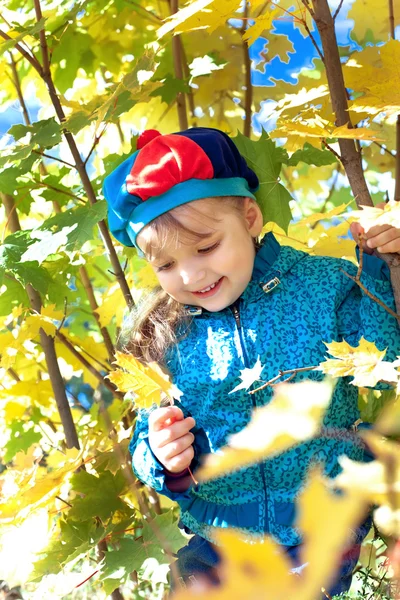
{"points": [[191, 275]]}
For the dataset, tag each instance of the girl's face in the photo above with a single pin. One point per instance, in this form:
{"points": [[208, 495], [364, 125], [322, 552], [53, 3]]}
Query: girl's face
{"points": [[212, 271]]}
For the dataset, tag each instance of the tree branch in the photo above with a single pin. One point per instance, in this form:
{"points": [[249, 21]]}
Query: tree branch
{"points": [[248, 101], [110, 386], [337, 11], [350, 157], [55, 158], [391, 19], [94, 306], [34, 62], [79, 164], [177, 58]]}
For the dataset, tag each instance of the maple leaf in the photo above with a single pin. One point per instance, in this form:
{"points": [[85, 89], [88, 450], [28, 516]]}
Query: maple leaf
{"points": [[199, 14], [249, 376], [262, 570], [378, 481], [379, 84], [149, 383], [293, 415], [364, 362], [371, 216], [261, 23]]}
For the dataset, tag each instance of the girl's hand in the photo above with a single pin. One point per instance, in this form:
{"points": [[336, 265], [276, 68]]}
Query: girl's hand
{"points": [[385, 238], [170, 438]]}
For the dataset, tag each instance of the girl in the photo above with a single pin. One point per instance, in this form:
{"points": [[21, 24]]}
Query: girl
{"points": [[186, 201]]}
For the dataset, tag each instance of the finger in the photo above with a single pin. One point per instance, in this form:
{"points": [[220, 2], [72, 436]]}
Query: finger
{"points": [[159, 417], [390, 235], [393, 246], [180, 461], [376, 230], [178, 446], [174, 431]]}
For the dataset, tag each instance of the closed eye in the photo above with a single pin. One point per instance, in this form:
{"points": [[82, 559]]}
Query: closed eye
{"points": [[164, 267], [209, 248]]}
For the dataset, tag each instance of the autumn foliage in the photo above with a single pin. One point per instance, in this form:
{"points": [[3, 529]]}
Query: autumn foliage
{"points": [[86, 77]]}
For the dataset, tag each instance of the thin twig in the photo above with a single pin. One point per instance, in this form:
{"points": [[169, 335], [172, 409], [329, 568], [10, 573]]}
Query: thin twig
{"points": [[385, 149], [338, 9], [328, 147], [370, 295], [306, 27], [281, 374], [34, 62], [54, 158]]}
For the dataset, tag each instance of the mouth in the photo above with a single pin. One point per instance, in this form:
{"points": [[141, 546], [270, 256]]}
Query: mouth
{"points": [[209, 290]]}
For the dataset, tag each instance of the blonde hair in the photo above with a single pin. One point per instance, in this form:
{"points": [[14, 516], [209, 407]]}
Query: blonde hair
{"points": [[151, 327]]}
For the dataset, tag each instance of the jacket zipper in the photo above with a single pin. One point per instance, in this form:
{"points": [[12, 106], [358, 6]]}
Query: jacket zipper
{"points": [[236, 314]]}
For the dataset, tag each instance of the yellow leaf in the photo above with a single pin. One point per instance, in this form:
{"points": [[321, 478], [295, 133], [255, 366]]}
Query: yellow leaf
{"points": [[325, 520], [369, 16], [292, 416], [254, 571], [148, 383], [371, 216], [261, 570], [262, 23], [358, 133], [50, 312], [199, 14], [379, 84], [13, 410], [364, 362], [33, 495], [314, 217], [377, 481]]}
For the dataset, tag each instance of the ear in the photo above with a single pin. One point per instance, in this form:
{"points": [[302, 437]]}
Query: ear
{"points": [[253, 217]]}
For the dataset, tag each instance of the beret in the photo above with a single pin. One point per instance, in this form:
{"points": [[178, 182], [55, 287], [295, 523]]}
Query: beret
{"points": [[170, 170]]}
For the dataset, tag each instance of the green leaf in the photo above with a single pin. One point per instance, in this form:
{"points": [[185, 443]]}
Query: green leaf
{"points": [[18, 153], [14, 247], [86, 217], [170, 88], [21, 439], [23, 33], [78, 538], [266, 160], [45, 133], [311, 156], [48, 243], [133, 552], [100, 495], [14, 295]]}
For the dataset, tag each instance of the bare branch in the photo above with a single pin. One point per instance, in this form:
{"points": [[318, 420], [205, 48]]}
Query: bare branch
{"points": [[338, 9], [248, 101], [291, 372], [64, 162], [391, 19], [370, 295], [177, 58]]}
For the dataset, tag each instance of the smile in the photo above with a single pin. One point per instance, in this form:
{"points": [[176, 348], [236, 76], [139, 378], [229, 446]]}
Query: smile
{"points": [[210, 290]]}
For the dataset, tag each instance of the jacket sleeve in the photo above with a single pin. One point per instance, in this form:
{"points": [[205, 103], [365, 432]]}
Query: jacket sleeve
{"points": [[359, 315], [145, 464]]}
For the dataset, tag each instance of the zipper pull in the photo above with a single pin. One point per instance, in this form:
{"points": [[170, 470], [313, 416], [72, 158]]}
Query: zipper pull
{"points": [[236, 314]]}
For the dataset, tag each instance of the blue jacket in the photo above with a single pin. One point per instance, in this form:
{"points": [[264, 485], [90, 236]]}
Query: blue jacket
{"points": [[285, 323]]}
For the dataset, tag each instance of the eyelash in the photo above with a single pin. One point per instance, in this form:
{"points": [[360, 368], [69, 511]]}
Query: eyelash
{"points": [[201, 251]]}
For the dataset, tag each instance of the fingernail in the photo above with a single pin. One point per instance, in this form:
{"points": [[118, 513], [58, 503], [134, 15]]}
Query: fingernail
{"points": [[369, 244]]}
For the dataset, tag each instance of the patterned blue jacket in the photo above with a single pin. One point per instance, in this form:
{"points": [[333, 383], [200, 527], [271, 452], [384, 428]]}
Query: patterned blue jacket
{"points": [[285, 323]]}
